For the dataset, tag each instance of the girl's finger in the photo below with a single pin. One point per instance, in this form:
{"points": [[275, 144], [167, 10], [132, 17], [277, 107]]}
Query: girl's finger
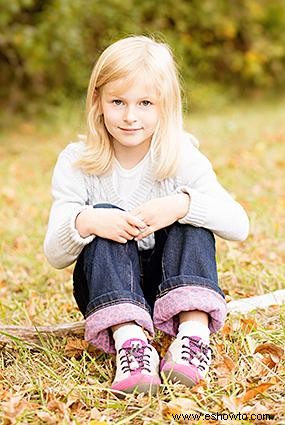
{"points": [[134, 231], [145, 233], [136, 221], [127, 235], [121, 240]]}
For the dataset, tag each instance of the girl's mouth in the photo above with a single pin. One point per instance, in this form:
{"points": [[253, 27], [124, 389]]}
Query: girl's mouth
{"points": [[130, 130]]}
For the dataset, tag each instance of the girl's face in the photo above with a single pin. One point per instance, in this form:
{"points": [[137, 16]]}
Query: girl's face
{"points": [[130, 114]]}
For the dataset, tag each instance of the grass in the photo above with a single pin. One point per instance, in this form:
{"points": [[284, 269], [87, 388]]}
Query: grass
{"points": [[54, 385]]}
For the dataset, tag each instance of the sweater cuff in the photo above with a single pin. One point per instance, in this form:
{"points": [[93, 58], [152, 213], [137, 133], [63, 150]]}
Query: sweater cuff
{"points": [[69, 236], [196, 215]]}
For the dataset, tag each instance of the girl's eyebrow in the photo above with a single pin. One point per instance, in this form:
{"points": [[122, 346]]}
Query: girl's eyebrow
{"points": [[117, 95]]}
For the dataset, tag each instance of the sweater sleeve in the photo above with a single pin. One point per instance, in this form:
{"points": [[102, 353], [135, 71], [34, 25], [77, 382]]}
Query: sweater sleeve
{"points": [[211, 206], [63, 243]]}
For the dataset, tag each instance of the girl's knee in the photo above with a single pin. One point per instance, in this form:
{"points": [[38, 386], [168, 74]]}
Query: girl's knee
{"points": [[193, 232], [106, 205]]}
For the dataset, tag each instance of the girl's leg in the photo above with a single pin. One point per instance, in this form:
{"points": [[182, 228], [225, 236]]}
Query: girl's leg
{"points": [[108, 292], [190, 303], [189, 278]]}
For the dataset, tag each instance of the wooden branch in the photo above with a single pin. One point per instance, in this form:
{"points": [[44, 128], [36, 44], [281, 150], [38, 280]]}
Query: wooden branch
{"points": [[244, 305], [36, 334]]}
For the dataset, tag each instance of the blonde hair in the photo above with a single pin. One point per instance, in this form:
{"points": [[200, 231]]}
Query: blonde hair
{"points": [[127, 59]]}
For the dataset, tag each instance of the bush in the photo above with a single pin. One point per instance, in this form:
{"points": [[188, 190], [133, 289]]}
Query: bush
{"points": [[48, 47]]}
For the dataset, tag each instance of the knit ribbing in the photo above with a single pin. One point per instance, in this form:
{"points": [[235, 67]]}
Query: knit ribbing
{"points": [[196, 214], [70, 239]]}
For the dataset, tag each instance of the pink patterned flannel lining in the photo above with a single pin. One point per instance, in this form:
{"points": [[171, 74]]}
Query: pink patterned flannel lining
{"points": [[166, 311], [98, 325], [187, 298]]}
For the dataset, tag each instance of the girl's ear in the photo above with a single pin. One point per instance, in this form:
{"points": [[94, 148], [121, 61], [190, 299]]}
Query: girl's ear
{"points": [[97, 100]]}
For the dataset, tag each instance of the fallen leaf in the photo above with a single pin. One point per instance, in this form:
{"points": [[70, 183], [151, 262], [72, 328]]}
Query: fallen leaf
{"points": [[162, 344], [229, 362], [13, 408], [178, 406], [56, 406], [220, 348], [275, 352], [47, 417], [75, 347], [223, 369], [268, 363], [248, 325], [226, 330], [200, 387], [252, 392]]}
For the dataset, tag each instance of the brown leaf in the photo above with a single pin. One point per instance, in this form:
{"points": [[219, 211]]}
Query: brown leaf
{"points": [[226, 330], [200, 387], [75, 347], [162, 344], [223, 369], [13, 408], [269, 363], [252, 392], [56, 406], [178, 406], [228, 362], [47, 417], [248, 324], [275, 352], [220, 348]]}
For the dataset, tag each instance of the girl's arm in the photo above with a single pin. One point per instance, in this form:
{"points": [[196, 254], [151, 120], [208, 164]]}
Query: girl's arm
{"points": [[63, 243], [73, 223], [209, 204]]}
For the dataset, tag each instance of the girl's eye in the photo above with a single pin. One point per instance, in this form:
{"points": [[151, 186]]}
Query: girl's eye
{"points": [[146, 103], [117, 102]]}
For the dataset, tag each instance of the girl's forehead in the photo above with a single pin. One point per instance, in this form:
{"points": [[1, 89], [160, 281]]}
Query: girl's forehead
{"points": [[137, 86]]}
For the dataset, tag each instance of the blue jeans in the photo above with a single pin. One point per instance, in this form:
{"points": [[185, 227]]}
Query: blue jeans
{"points": [[182, 262]]}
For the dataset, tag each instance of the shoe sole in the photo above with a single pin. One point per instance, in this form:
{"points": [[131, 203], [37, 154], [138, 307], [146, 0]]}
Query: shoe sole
{"points": [[138, 389], [176, 377]]}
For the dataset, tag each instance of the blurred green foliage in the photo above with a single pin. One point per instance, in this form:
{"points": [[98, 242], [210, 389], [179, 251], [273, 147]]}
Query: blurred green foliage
{"points": [[48, 47]]}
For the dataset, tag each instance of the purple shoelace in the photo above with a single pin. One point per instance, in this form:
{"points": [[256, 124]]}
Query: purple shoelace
{"points": [[196, 349], [134, 358]]}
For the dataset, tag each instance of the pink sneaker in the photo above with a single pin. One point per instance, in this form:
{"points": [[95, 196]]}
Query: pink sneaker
{"points": [[137, 368], [187, 361]]}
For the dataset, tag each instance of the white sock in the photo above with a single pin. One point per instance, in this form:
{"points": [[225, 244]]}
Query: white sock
{"points": [[194, 328], [126, 332]]}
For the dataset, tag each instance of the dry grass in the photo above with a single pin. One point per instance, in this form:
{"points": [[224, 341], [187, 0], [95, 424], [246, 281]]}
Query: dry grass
{"points": [[57, 385]]}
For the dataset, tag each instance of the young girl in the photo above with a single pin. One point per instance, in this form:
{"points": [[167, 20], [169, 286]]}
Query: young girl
{"points": [[136, 204]]}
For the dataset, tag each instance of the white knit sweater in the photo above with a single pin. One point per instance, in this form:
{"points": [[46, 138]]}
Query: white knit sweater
{"points": [[211, 206]]}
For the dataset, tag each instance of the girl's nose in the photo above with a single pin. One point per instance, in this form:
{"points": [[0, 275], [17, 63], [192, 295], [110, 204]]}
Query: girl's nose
{"points": [[130, 115]]}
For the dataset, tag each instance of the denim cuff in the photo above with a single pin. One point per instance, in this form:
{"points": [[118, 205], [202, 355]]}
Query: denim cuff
{"points": [[187, 298], [98, 325]]}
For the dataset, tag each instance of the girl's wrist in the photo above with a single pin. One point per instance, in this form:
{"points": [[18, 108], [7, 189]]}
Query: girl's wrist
{"points": [[183, 204], [81, 223]]}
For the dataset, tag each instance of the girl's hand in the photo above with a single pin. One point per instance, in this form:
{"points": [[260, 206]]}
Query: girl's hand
{"points": [[161, 212], [110, 223]]}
